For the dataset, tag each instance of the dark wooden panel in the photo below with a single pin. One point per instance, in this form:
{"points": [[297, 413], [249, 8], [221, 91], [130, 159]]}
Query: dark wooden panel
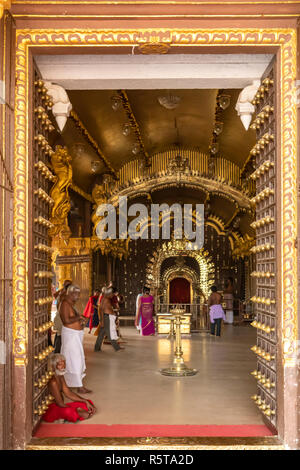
{"points": [[265, 250]]}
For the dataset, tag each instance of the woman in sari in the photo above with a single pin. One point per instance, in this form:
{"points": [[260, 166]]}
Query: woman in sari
{"points": [[144, 316]]}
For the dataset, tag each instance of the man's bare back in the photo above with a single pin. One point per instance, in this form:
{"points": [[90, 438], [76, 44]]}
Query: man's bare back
{"points": [[214, 299], [106, 306]]}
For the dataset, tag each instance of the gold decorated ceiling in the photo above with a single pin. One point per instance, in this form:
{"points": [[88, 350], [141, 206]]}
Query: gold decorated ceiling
{"points": [[190, 125]]}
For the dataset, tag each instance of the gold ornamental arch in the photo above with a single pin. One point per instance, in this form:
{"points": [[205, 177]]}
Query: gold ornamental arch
{"points": [[185, 272], [176, 248], [212, 220]]}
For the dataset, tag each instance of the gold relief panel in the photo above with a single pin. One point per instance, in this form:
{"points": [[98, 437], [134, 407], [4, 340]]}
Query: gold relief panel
{"points": [[4, 5], [61, 163], [283, 39]]}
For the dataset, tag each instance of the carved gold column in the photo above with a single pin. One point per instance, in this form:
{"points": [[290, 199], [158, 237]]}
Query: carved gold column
{"points": [[99, 197], [61, 163]]}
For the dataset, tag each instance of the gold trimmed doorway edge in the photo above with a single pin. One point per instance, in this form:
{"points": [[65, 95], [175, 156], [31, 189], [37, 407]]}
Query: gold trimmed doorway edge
{"points": [[283, 40], [156, 443]]}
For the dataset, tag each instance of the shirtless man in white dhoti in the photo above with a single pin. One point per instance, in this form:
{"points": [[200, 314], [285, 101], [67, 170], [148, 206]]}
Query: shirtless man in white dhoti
{"points": [[72, 340]]}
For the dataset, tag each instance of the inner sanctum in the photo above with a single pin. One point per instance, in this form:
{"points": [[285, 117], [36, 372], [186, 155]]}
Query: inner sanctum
{"points": [[165, 183]]}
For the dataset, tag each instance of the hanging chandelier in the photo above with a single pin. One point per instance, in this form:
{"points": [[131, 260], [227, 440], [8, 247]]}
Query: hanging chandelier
{"points": [[169, 101]]}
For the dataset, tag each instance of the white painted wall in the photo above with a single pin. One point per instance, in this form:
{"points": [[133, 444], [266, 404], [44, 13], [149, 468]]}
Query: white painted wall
{"points": [[178, 71]]}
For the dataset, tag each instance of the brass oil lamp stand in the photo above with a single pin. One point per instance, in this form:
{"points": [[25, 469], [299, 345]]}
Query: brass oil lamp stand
{"points": [[178, 369]]}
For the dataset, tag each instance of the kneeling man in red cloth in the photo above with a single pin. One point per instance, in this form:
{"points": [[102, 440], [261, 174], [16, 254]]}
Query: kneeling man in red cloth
{"points": [[78, 409]]}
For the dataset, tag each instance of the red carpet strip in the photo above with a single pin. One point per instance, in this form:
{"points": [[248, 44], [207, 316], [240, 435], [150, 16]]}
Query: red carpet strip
{"points": [[140, 430]]}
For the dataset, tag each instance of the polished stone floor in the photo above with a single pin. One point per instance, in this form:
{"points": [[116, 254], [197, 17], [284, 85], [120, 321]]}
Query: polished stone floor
{"points": [[129, 389]]}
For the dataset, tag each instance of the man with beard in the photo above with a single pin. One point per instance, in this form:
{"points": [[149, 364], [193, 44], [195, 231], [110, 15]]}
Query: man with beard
{"points": [[78, 409]]}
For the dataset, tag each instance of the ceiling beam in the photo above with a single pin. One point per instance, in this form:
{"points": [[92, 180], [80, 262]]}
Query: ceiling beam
{"points": [[136, 72], [134, 125], [74, 116], [82, 193]]}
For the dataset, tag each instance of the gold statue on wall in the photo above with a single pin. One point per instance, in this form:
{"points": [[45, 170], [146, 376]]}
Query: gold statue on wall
{"points": [[100, 197], [61, 163]]}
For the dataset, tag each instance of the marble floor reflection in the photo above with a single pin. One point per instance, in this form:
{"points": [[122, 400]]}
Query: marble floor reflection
{"points": [[129, 389]]}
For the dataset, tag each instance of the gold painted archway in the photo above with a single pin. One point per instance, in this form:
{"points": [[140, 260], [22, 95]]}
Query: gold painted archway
{"points": [[183, 272], [178, 248]]}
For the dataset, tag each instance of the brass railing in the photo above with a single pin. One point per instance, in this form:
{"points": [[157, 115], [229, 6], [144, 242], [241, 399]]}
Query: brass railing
{"points": [[224, 171], [199, 312]]}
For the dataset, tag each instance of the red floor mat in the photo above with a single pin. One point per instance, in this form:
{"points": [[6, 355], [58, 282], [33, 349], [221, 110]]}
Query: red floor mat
{"points": [[140, 430]]}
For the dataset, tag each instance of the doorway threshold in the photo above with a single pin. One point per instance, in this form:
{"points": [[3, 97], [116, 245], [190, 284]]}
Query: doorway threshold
{"points": [[159, 443]]}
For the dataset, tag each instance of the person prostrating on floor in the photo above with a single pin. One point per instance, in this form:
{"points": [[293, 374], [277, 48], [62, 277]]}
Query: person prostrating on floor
{"points": [[107, 327], [77, 409], [216, 312]]}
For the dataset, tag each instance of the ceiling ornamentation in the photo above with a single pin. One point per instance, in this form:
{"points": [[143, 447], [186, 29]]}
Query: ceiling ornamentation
{"points": [[169, 101], [139, 144], [194, 182], [184, 161], [154, 46], [80, 191], [91, 141], [222, 103]]}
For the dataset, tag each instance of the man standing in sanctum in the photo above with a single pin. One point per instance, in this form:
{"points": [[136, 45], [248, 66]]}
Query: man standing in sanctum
{"points": [[216, 312], [72, 339]]}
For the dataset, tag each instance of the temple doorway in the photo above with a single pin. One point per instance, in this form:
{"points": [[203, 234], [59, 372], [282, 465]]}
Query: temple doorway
{"points": [[180, 291], [175, 172], [183, 168]]}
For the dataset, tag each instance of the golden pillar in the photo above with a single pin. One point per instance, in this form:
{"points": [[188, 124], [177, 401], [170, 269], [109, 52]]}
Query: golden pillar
{"points": [[61, 163]]}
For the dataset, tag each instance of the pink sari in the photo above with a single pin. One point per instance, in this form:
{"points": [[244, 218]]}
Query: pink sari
{"points": [[146, 312]]}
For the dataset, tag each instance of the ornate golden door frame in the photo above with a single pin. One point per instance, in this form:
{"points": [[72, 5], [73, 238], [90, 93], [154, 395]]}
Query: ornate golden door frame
{"points": [[279, 41]]}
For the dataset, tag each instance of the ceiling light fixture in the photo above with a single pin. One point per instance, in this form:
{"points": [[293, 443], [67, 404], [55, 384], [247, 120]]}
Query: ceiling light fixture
{"points": [[136, 148], [218, 128], [169, 101], [224, 101], [126, 129], [106, 178], [115, 102], [95, 166], [214, 148], [142, 165], [78, 148]]}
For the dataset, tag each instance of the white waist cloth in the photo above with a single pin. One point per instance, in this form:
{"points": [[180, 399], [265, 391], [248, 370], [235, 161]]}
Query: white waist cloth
{"points": [[229, 316], [72, 349], [112, 327]]}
